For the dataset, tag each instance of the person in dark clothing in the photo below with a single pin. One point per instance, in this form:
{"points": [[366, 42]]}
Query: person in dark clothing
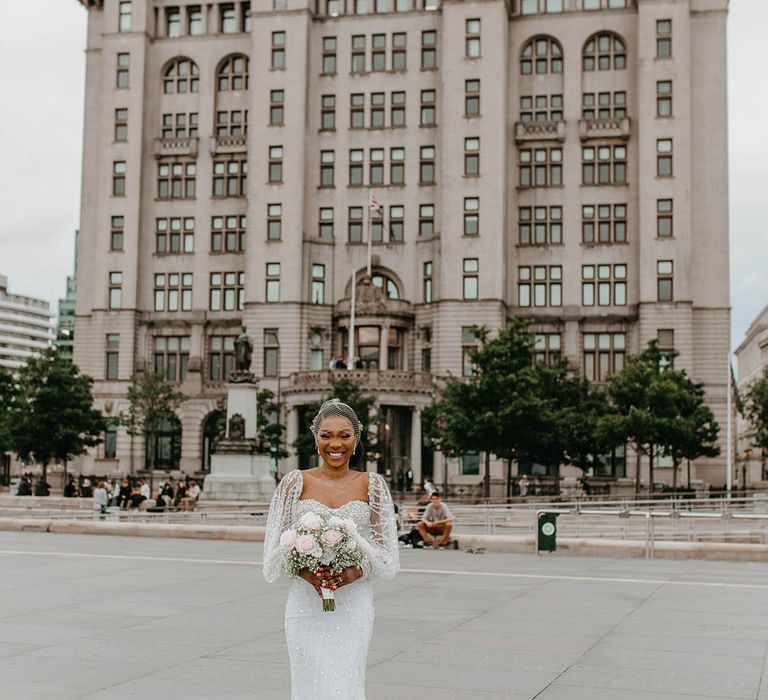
{"points": [[42, 487], [125, 493], [70, 490], [25, 487]]}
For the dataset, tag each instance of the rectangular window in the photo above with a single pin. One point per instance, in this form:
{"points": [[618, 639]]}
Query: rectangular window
{"points": [[329, 55], [173, 292], [275, 164], [181, 125], [276, 107], [271, 352], [552, 6], [123, 67], [274, 222], [427, 165], [119, 169], [547, 348], [540, 225], [471, 216], [234, 123], [426, 220], [383, 6], [221, 357], [428, 50], [172, 22], [117, 233], [403, 5], [604, 223], [126, 16], [396, 166], [176, 179], [115, 290], [357, 111], [171, 356], [110, 442], [472, 38], [397, 110], [317, 291], [376, 166], [228, 234], [325, 223], [664, 215], [471, 98], [195, 20], [398, 51], [327, 165], [666, 343], [358, 54], [540, 285], [663, 98], [472, 157], [273, 282], [316, 359], [379, 52], [396, 223], [529, 7], [227, 18], [664, 158], [175, 235], [663, 38], [604, 165], [468, 346], [356, 161], [540, 167], [426, 283], [664, 269], [362, 7], [471, 274], [604, 285], [604, 105], [230, 177], [226, 291], [541, 108], [278, 51], [378, 110], [355, 225], [328, 112], [246, 13], [428, 108], [469, 464], [121, 124], [112, 346], [604, 353]]}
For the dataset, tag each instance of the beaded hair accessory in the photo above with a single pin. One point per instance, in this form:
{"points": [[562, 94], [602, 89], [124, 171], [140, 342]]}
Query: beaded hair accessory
{"points": [[336, 409]]}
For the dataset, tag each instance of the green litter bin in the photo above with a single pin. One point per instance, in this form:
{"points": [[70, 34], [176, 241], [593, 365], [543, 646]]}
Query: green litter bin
{"points": [[546, 532]]}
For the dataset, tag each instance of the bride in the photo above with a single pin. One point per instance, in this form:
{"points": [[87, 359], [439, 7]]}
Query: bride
{"points": [[328, 650]]}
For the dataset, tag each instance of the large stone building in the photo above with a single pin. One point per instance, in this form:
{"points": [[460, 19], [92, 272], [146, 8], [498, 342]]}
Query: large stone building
{"points": [[25, 327], [65, 325], [560, 160]]}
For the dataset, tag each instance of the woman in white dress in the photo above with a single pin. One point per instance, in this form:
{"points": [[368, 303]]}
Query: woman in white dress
{"points": [[328, 650]]}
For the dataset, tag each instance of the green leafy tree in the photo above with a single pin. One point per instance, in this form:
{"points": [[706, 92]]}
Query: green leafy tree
{"points": [[269, 430], [756, 409], [151, 402], [53, 418], [8, 394], [351, 394]]}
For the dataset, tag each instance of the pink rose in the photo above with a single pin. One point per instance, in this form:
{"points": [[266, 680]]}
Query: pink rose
{"points": [[331, 538], [287, 540], [305, 544], [349, 525], [311, 521]]}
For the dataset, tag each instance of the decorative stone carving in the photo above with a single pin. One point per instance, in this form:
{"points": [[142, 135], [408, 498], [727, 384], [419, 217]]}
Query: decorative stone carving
{"points": [[237, 427]]}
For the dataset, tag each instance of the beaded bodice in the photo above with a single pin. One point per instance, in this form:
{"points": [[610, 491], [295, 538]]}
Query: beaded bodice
{"points": [[358, 511]]}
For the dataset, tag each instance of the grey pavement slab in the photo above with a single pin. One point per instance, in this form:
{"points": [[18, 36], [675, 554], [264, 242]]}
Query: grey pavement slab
{"points": [[111, 618]]}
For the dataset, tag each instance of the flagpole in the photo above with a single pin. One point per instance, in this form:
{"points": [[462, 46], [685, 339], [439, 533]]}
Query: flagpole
{"points": [[729, 450], [351, 343], [370, 239]]}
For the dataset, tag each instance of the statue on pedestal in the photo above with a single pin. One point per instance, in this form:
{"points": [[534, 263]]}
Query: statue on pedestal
{"points": [[243, 354]]}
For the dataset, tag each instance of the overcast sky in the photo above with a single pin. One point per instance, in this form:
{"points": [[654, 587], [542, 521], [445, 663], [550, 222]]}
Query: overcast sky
{"points": [[42, 79]]}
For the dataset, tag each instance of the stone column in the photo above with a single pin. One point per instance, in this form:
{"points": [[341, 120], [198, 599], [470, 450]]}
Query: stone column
{"points": [[383, 345], [415, 461]]}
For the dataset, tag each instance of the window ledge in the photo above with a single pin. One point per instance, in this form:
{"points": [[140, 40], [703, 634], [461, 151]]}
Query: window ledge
{"points": [[604, 128], [221, 145], [540, 131], [181, 146]]}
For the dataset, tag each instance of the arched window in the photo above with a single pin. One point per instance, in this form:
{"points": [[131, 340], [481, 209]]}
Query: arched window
{"points": [[605, 51], [541, 55], [233, 74], [386, 283], [182, 75]]}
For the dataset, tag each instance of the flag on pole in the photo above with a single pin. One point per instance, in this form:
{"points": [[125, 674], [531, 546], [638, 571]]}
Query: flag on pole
{"points": [[374, 205]]}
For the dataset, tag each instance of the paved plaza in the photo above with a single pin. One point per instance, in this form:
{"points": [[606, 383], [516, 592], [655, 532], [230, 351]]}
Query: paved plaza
{"points": [[108, 618]]}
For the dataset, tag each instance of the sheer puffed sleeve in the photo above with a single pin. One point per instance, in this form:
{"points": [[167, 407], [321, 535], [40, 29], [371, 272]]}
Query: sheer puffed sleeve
{"points": [[385, 560], [279, 520]]}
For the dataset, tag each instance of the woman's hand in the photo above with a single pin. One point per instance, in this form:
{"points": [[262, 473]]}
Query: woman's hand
{"points": [[312, 579], [343, 578]]}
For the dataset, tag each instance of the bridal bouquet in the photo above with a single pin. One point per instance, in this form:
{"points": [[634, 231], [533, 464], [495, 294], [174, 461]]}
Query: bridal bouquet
{"points": [[324, 540]]}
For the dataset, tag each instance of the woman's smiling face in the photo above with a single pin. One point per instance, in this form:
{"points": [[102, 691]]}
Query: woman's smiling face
{"points": [[336, 441]]}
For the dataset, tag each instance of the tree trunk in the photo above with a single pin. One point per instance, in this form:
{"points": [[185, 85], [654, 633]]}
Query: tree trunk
{"points": [[65, 473], [152, 459], [509, 479], [689, 473], [675, 466], [637, 472], [651, 453], [487, 476]]}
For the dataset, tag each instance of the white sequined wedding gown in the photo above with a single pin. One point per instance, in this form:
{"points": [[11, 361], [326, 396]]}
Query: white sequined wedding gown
{"points": [[328, 650]]}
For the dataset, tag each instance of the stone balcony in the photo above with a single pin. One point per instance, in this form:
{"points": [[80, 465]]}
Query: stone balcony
{"points": [[604, 129], [176, 146], [539, 131], [222, 145], [373, 380]]}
